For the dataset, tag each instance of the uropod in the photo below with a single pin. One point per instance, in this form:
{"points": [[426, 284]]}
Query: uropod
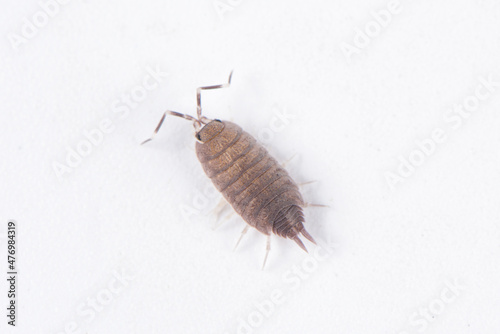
{"points": [[258, 188]]}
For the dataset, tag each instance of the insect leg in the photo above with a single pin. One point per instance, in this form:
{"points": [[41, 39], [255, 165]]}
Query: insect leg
{"points": [[199, 89], [245, 230], [306, 183], [283, 164], [219, 208], [307, 205], [227, 217], [223, 204], [268, 248]]}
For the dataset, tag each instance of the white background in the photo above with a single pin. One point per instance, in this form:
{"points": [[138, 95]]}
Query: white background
{"points": [[145, 211]]}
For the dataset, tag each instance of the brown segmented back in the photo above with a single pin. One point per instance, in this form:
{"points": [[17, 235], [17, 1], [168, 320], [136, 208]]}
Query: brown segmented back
{"points": [[258, 188]]}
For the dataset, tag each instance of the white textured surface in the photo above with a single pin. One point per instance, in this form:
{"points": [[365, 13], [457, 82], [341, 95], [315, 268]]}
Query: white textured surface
{"points": [[121, 208]]}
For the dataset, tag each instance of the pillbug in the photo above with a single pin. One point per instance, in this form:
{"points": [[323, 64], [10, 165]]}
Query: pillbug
{"points": [[258, 188]]}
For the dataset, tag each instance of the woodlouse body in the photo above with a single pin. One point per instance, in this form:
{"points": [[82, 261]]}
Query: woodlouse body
{"points": [[257, 187]]}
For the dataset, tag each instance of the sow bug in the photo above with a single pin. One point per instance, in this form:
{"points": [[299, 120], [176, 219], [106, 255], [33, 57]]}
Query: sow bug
{"points": [[258, 188]]}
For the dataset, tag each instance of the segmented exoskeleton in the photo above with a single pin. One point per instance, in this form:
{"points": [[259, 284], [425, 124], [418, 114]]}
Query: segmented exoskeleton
{"points": [[257, 187]]}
